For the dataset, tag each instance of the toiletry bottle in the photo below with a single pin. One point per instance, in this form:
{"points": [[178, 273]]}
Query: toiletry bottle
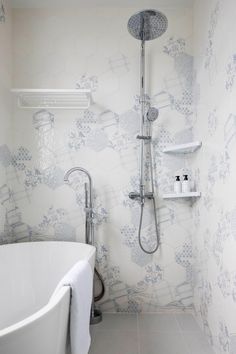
{"points": [[177, 185], [185, 184]]}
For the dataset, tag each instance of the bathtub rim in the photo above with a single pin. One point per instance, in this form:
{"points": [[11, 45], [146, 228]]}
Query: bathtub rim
{"points": [[38, 314], [17, 244], [53, 300]]}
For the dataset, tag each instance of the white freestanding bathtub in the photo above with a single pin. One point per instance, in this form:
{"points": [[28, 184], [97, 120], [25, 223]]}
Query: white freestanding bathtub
{"points": [[31, 322]]}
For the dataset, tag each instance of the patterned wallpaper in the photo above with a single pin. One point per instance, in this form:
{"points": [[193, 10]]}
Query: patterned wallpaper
{"points": [[56, 49], [214, 242], [2, 12], [5, 99]]}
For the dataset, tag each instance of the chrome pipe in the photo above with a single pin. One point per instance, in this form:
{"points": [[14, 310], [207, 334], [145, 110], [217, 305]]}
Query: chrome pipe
{"points": [[144, 26], [89, 234], [81, 169], [87, 223], [142, 121], [145, 136], [89, 228], [96, 315]]}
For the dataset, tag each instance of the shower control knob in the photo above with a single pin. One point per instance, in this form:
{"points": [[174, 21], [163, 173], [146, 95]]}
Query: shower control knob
{"points": [[134, 195]]}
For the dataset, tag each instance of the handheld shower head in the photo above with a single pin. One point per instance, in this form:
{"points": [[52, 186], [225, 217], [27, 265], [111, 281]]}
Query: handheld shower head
{"points": [[152, 114]]}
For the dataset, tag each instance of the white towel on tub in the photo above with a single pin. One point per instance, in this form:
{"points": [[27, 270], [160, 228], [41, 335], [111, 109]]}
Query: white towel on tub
{"points": [[80, 279]]}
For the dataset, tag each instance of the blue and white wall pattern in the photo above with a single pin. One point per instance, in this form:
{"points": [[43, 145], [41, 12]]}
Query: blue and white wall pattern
{"points": [[52, 49], [214, 242]]}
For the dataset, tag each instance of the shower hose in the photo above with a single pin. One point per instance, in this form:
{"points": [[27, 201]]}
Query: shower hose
{"points": [[156, 230], [154, 209], [102, 292]]}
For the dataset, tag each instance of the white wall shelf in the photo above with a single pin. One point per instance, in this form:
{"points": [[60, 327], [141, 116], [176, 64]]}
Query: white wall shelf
{"points": [[182, 195], [53, 98], [183, 148]]}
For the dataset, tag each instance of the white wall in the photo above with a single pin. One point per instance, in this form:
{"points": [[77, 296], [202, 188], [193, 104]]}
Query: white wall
{"points": [[214, 243], [5, 109]]}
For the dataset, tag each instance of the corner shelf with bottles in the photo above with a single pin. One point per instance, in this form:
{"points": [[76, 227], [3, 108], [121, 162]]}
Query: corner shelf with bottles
{"points": [[183, 149]]}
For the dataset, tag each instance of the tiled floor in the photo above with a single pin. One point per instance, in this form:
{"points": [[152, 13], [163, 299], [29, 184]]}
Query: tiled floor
{"points": [[148, 334]]}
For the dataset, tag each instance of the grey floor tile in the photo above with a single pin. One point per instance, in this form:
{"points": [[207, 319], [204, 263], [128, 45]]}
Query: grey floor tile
{"points": [[92, 332], [187, 322], [154, 334], [118, 322], [162, 343], [197, 343], [115, 342], [158, 322]]}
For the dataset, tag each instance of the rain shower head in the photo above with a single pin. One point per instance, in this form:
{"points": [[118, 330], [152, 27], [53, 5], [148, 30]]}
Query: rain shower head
{"points": [[152, 114], [148, 24]]}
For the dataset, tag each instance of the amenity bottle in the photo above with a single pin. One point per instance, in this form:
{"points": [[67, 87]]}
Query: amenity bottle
{"points": [[185, 184], [177, 185]]}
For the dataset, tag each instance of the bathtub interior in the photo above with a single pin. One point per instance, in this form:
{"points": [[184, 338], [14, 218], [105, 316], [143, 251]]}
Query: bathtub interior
{"points": [[30, 273]]}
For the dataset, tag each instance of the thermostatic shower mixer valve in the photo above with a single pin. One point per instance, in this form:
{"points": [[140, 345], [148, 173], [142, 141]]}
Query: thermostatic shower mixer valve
{"points": [[144, 137], [136, 195]]}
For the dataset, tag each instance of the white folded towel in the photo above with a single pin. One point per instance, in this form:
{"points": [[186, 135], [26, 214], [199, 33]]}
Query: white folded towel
{"points": [[80, 279]]}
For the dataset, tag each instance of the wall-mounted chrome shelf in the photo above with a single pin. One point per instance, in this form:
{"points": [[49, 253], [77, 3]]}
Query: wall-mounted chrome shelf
{"points": [[182, 195], [53, 98], [183, 148]]}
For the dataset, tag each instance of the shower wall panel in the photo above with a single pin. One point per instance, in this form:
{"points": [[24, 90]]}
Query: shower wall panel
{"points": [[214, 242], [91, 48], [6, 203]]}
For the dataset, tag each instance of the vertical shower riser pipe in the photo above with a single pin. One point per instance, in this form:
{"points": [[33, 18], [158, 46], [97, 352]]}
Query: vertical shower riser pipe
{"points": [[146, 25], [142, 121]]}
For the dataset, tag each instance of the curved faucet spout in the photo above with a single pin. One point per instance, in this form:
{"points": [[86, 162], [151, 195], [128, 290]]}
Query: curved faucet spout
{"points": [[81, 169]]}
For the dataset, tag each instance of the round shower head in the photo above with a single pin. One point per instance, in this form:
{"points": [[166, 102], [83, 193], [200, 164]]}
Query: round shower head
{"points": [[152, 114], [148, 24]]}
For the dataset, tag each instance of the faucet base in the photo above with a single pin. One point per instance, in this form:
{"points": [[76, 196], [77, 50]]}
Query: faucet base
{"points": [[96, 317]]}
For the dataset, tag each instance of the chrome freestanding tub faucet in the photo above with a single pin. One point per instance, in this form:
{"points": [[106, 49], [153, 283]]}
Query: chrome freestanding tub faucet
{"points": [[89, 226], [96, 315]]}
